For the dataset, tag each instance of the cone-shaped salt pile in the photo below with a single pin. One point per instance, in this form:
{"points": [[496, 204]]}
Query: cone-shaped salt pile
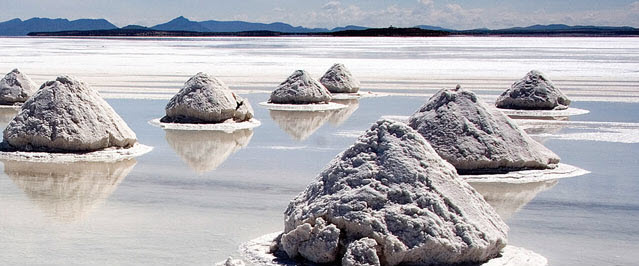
{"points": [[16, 87], [300, 88], [533, 92], [66, 115], [338, 79], [465, 133], [205, 99], [391, 187]]}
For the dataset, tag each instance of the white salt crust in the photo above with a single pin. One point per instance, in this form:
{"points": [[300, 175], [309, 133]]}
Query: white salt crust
{"points": [[303, 107], [106, 155], [227, 127], [257, 252]]}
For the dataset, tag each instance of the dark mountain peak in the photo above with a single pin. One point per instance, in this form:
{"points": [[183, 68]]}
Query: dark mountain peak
{"points": [[134, 27], [181, 24]]}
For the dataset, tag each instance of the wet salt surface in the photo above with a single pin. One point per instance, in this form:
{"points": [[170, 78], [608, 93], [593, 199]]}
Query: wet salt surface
{"points": [[175, 205]]}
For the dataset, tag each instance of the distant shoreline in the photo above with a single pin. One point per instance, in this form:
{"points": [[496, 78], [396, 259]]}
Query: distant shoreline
{"points": [[372, 32]]}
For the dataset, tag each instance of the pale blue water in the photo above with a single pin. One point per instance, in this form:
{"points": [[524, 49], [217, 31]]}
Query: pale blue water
{"points": [[164, 211]]}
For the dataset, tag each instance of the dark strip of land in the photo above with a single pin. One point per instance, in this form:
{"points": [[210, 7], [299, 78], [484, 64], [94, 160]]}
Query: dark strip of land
{"points": [[372, 32]]}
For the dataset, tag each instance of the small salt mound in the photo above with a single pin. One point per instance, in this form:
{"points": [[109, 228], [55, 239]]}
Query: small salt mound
{"points": [[300, 88], [66, 115], [205, 99], [16, 87], [338, 79], [533, 92], [464, 131], [391, 198]]}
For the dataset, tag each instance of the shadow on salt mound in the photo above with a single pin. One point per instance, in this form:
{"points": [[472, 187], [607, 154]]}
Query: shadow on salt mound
{"points": [[226, 127], [507, 198], [104, 155], [259, 252], [300, 124], [303, 107], [205, 150], [543, 114], [68, 191]]}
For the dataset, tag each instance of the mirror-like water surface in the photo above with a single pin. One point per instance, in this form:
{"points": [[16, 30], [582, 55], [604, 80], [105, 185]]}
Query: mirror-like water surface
{"points": [[198, 195]]}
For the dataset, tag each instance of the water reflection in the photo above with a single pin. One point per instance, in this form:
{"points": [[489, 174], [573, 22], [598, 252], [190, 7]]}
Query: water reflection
{"points": [[507, 199], [205, 150], [539, 131], [6, 115], [300, 124], [68, 191], [340, 116]]}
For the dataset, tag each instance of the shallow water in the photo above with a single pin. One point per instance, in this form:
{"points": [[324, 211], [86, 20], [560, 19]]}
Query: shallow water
{"points": [[180, 205]]}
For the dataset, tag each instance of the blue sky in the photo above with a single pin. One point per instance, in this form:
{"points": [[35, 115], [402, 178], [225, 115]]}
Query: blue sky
{"points": [[459, 14]]}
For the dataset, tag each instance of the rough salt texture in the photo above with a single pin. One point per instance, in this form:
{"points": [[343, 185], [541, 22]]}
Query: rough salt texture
{"points": [[362, 252], [338, 79], [300, 88], [66, 115], [231, 262], [533, 92], [16, 87], [392, 187], [205, 99], [318, 243], [468, 135]]}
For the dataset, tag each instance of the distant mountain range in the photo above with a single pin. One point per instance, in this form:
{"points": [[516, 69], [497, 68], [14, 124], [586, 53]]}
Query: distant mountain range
{"points": [[186, 27], [18, 27]]}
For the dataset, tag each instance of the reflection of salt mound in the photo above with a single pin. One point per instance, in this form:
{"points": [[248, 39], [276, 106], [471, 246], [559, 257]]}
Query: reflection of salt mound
{"points": [[466, 133], [300, 88], [300, 124], [533, 92], [508, 198], [16, 87], [340, 116], [338, 79], [205, 150], [205, 99], [391, 196], [66, 115], [68, 191]]}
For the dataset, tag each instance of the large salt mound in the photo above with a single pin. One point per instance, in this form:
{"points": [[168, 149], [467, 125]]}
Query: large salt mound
{"points": [[66, 115], [300, 88], [205, 99], [392, 188], [468, 135], [16, 87], [533, 92], [338, 79]]}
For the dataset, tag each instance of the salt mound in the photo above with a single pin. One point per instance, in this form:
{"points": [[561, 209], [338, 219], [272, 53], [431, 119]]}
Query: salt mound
{"points": [[68, 191], [533, 92], [16, 87], [205, 99], [66, 115], [300, 88], [393, 188], [338, 79], [468, 135]]}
